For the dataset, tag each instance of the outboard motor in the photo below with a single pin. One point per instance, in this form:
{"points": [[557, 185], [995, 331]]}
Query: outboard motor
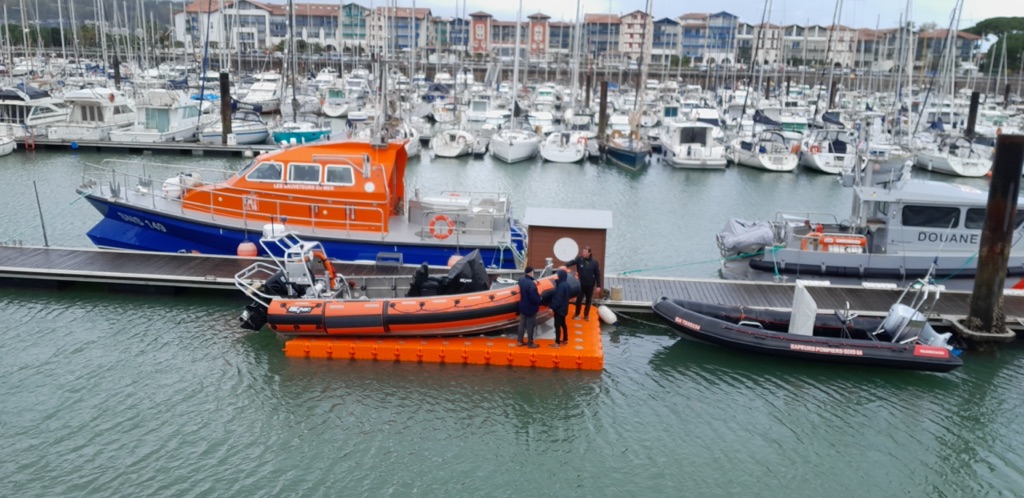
{"points": [[905, 324], [253, 317]]}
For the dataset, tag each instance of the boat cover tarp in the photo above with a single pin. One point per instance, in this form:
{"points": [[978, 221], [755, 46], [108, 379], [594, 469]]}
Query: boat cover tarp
{"points": [[468, 275], [32, 92], [760, 118], [832, 118], [740, 233], [805, 310]]}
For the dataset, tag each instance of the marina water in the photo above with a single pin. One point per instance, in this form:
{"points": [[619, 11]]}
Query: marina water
{"points": [[108, 393]]}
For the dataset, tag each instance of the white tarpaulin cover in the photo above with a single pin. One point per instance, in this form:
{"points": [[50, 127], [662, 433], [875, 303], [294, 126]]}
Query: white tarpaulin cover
{"points": [[739, 234]]}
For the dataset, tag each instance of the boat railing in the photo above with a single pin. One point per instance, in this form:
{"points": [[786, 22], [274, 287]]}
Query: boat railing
{"points": [[801, 217], [463, 223], [110, 169], [316, 215], [251, 279]]}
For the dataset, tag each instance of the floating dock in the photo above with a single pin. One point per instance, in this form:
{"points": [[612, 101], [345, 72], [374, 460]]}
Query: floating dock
{"points": [[584, 351], [178, 272], [184, 148]]}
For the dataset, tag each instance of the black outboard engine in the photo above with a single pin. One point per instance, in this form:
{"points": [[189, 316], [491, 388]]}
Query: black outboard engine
{"points": [[468, 275], [254, 316]]}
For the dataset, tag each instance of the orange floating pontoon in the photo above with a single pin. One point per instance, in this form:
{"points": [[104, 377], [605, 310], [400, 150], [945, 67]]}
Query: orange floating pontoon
{"points": [[584, 352]]}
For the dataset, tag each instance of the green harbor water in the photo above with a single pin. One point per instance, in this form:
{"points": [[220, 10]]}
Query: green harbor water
{"points": [[135, 394]]}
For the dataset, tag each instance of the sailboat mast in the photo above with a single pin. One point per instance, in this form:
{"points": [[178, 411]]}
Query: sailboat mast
{"points": [[60, 20], [753, 60], [515, 64], [292, 58]]}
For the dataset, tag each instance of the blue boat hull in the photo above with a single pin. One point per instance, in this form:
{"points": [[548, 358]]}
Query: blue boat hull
{"points": [[126, 227], [632, 159], [301, 137]]}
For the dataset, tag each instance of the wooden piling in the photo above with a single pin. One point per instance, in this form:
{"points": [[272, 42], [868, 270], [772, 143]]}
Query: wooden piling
{"points": [[225, 106], [602, 116], [985, 321], [972, 115]]}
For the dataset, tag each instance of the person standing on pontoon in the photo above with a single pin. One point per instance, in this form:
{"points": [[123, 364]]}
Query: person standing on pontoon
{"points": [[529, 304], [588, 271]]}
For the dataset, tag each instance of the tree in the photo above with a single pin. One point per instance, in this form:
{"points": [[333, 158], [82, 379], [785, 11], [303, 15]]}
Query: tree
{"points": [[998, 25], [1015, 47]]}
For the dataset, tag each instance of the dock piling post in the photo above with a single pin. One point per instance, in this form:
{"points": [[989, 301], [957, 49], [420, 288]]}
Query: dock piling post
{"points": [[225, 106], [602, 116], [972, 114], [985, 318]]}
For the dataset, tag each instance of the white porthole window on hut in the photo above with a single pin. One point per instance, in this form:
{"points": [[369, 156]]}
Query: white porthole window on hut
{"points": [[566, 248]]}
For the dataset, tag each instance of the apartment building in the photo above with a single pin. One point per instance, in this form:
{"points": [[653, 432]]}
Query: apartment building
{"points": [[401, 29], [249, 25]]}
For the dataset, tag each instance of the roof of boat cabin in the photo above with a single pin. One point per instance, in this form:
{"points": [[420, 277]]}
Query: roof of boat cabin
{"points": [[568, 218], [928, 192], [327, 149]]}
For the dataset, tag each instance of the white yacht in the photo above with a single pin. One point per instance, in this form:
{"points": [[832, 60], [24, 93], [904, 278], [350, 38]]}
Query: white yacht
{"points": [[452, 143], [565, 147], [95, 112], [163, 116], [769, 150], [512, 145], [336, 102], [829, 150], [958, 156], [27, 112], [264, 96], [692, 145], [247, 127]]}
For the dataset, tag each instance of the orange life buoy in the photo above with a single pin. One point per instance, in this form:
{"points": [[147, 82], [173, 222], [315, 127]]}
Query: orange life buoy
{"points": [[795, 149], [441, 234], [331, 274], [811, 236], [582, 140], [815, 149]]}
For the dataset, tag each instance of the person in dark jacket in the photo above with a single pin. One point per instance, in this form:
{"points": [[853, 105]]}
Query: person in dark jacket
{"points": [[588, 271], [529, 304], [560, 306]]}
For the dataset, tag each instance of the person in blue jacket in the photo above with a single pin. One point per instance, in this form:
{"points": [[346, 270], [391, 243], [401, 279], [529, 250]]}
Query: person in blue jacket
{"points": [[529, 304], [560, 306]]}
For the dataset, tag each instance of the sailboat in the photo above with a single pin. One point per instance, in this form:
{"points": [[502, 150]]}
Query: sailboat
{"points": [[511, 143], [573, 144], [299, 128], [631, 151]]}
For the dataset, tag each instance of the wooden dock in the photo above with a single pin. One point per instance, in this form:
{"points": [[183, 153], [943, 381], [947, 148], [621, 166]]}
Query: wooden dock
{"points": [[183, 148], [197, 271]]}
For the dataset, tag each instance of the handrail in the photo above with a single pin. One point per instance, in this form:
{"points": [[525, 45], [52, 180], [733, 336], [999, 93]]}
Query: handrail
{"points": [[457, 231], [341, 214]]}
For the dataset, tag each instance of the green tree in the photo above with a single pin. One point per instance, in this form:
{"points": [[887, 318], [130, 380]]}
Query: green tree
{"points": [[998, 25], [1015, 47]]}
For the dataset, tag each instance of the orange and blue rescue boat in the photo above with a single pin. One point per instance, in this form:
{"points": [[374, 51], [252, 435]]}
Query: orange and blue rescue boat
{"points": [[350, 196]]}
